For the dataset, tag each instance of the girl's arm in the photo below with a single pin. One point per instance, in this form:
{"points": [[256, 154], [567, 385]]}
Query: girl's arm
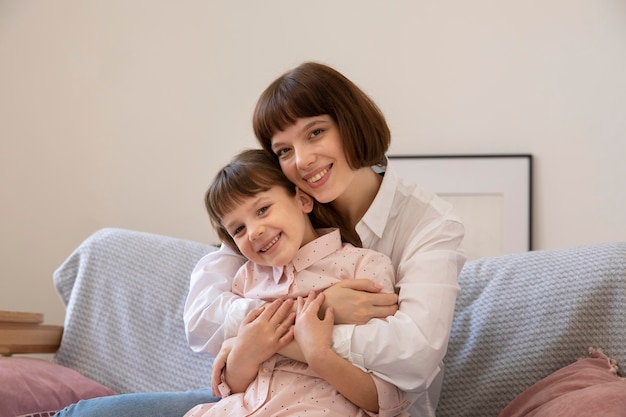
{"points": [[314, 336], [212, 312]]}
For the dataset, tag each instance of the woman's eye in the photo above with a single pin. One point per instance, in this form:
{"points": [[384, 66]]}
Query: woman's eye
{"points": [[282, 152], [316, 132]]}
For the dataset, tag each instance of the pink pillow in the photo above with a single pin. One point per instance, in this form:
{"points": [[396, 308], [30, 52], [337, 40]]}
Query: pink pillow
{"points": [[32, 385], [588, 387]]}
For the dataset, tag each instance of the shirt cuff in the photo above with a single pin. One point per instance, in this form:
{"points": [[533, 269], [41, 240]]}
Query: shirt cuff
{"points": [[238, 311], [224, 388], [342, 338]]}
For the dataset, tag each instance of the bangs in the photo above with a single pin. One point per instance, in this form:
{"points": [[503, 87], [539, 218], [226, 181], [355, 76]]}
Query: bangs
{"points": [[234, 186], [282, 103], [248, 174]]}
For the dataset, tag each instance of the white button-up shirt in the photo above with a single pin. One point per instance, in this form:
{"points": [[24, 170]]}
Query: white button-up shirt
{"points": [[423, 237]]}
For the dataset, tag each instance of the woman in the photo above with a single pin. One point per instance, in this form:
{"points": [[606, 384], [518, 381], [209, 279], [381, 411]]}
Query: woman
{"points": [[330, 140]]}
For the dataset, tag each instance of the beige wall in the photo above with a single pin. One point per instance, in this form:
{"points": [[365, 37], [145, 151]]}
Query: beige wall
{"points": [[118, 112]]}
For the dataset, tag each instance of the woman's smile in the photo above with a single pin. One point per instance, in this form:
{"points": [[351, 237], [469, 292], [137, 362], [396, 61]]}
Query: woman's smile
{"points": [[319, 177]]}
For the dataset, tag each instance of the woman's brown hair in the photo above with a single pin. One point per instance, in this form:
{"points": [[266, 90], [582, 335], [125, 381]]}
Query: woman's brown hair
{"points": [[250, 172], [314, 89]]}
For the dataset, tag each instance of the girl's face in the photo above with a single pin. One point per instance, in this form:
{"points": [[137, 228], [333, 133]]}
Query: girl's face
{"points": [[270, 227], [311, 155]]}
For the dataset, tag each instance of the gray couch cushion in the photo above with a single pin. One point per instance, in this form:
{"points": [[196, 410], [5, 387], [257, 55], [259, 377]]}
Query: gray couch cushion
{"points": [[520, 317]]}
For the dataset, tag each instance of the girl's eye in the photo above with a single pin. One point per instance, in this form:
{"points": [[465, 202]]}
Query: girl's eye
{"points": [[237, 231], [263, 210]]}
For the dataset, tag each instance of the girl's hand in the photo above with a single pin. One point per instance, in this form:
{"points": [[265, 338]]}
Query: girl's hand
{"points": [[314, 335], [262, 333], [266, 330], [357, 301]]}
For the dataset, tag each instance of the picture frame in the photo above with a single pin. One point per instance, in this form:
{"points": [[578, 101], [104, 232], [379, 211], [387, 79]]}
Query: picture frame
{"points": [[491, 193]]}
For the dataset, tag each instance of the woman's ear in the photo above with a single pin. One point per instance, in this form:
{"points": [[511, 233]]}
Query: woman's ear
{"points": [[305, 199]]}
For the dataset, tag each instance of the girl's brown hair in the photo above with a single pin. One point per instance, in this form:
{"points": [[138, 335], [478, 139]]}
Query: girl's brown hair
{"points": [[249, 173], [314, 89]]}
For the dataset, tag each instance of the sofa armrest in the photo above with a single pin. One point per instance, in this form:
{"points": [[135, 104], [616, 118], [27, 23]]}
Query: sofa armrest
{"points": [[23, 332]]}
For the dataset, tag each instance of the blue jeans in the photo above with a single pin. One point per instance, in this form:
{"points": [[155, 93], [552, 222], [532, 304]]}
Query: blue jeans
{"points": [[143, 404]]}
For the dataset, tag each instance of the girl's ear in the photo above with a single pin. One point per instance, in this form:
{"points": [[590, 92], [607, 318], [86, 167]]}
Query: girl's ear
{"points": [[305, 199]]}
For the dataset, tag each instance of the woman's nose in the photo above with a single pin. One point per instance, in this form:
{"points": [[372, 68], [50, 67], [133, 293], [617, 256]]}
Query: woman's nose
{"points": [[303, 159]]}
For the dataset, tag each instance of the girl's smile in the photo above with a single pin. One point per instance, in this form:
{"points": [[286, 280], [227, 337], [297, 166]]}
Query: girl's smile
{"points": [[270, 245]]}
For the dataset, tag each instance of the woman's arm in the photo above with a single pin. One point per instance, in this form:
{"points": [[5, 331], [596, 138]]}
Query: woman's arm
{"points": [[427, 279], [212, 312], [357, 301], [314, 336]]}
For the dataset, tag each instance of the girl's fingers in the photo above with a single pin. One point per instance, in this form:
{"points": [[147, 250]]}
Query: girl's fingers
{"points": [[329, 316], [270, 309], [278, 314], [312, 303], [287, 337]]}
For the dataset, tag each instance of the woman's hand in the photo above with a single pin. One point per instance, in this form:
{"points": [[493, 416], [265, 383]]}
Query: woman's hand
{"points": [[219, 363], [357, 301]]}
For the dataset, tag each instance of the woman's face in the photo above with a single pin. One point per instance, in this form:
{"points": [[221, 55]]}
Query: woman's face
{"points": [[311, 155]]}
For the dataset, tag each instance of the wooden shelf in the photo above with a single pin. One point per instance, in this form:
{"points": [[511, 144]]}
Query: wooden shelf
{"points": [[20, 317], [22, 332]]}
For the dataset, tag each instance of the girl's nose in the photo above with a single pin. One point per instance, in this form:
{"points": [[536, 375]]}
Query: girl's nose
{"points": [[255, 232]]}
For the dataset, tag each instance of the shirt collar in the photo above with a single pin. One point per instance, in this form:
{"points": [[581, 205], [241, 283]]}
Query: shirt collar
{"points": [[376, 216], [328, 242]]}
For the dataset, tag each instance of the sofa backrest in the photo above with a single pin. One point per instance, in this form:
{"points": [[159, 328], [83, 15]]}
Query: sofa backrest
{"points": [[124, 292], [520, 317]]}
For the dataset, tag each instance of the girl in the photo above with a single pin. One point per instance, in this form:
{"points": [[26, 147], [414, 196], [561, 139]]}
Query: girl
{"points": [[259, 213]]}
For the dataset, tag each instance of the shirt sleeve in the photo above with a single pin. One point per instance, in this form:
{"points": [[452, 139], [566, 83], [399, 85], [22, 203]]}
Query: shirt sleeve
{"points": [[407, 349], [377, 267], [212, 312], [392, 402]]}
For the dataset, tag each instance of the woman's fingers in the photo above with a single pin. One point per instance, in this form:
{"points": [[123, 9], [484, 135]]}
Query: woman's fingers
{"points": [[360, 284]]}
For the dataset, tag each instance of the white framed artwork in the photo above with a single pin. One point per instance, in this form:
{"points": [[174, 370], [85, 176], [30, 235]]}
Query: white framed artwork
{"points": [[491, 193]]}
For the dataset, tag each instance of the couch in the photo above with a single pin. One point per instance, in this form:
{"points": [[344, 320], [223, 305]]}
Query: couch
{"points": [[519, 318]]}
